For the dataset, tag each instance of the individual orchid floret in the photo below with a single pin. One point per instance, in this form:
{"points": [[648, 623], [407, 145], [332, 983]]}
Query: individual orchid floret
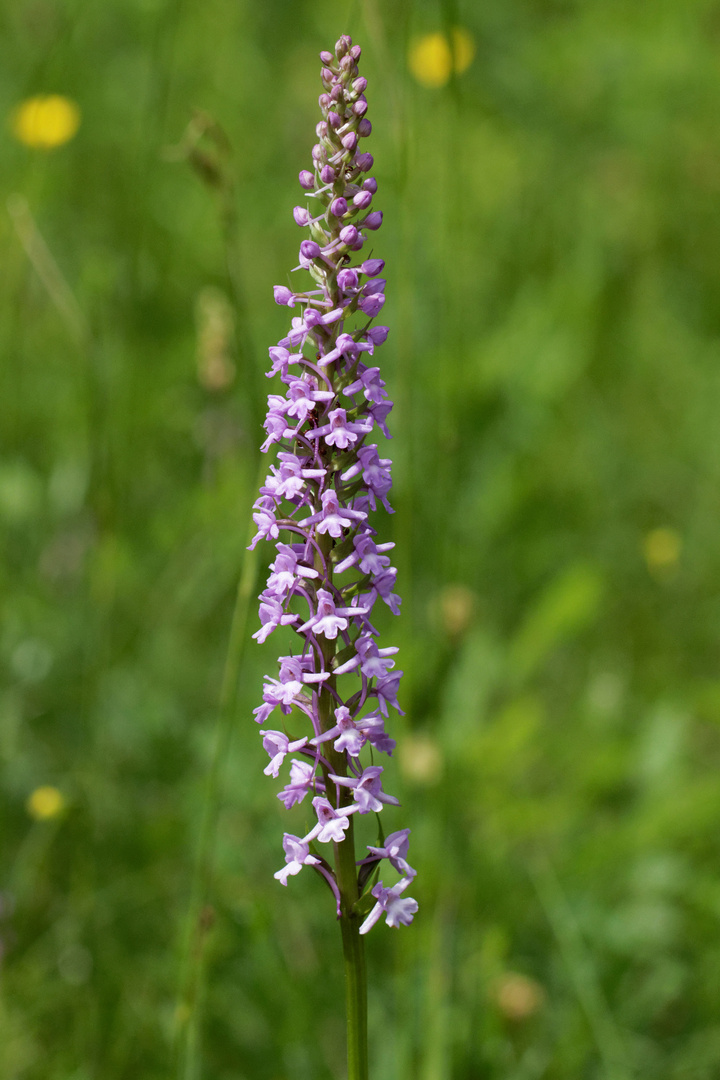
{"points": [[288, 481], [380, 412], [373, 727], [304, 396], [333, 518], [278, 746], [332, 824], [264, 518], [386, 692], [375, 473], [346, 347], [328, 619], [398, 910], [348, 736], [297, 855], [287, 691], [383, 586], [276, 427], [308, 325], [301, 670], [369, 556], [302, 780], [281, 361], [340, 431], [370, 383], [395, 851], [374, 662], [286, 570], [272, 615], [367, 790]]}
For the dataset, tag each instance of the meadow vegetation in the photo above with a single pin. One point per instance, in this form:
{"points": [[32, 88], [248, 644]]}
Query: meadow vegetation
{"points": [[551, 240]]}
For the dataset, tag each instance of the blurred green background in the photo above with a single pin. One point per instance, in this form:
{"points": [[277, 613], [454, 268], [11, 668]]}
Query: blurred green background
{"points": [[551, 236]]}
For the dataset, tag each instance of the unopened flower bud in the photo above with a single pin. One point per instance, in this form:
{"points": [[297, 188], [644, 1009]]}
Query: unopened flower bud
{"points": [[283, 296], [334, 119], [309, 249], [336, 93], [326, 57], [318, 153], [301, 215], [364, 128], [349, 141], [321, 130], [362, 200], [326, 74], [338, 207], [377, 285], [349, 234], [378, 334], [373, 267], [347, 63], [342, 45], [373, 220], [327, 174], [371, 305], [360, 108], [360, 85], [356, 53], [324, 101], [364, 162], [307, 180], [370, 185]]}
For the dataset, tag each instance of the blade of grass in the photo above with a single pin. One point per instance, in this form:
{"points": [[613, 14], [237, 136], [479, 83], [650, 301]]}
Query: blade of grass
{"points": [[188, 1013], [581, 969]]}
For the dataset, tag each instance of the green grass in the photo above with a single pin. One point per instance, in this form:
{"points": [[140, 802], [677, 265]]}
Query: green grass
{"points": [[551, 238]]}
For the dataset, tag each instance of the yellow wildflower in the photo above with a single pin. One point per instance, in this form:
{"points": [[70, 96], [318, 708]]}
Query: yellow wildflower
{"points": [[45, 803], [46, 121], [463, 45], [433, 58], [662, 548]]}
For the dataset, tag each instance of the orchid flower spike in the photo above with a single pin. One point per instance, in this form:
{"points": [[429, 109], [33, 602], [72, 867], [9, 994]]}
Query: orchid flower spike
{"points": [[325, 425]]}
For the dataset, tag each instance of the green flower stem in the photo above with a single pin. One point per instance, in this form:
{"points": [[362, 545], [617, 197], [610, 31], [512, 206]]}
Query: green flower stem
{"points": [[354, 957], [346, 876]]}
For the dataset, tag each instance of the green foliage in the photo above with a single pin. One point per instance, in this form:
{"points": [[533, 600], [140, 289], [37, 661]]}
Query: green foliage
{"points": [[551, 237]]}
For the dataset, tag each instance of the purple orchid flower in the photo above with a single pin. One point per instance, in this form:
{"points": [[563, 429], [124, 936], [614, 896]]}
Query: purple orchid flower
{"points": [[329, 477], [397, 909], [297, 855]]}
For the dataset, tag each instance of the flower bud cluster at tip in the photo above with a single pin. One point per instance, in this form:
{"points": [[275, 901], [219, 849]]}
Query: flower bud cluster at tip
{"points": [[329, 476]]}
